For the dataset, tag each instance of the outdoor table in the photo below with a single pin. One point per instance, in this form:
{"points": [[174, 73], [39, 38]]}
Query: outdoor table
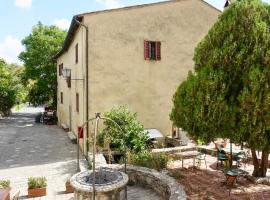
{"points": [[4, 194], [186, 155]]}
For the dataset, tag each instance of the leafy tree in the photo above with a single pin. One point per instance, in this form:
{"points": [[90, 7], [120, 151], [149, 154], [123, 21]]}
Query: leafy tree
{"points": [[131, 138], [7, 89], [228, 94], [40, 70]]}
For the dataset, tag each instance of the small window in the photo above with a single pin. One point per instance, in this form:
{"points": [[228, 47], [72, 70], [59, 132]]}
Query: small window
{"points": [[152, 50], [61, 96], [60, 69], [77, 102], [76, 53]]}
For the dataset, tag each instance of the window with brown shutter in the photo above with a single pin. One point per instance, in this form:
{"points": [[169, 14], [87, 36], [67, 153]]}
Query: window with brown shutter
{"points": [[77, 102], [61, 97], [152, 50], [76, 53], [60, 69]]}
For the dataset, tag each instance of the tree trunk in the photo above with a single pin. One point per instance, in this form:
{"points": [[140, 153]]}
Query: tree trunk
{"points": [[260, 168]]}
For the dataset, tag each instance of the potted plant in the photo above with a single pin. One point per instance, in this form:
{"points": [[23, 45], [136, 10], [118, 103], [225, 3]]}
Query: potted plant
{"points": [[5, 184], [37, 186], [69, 188]]}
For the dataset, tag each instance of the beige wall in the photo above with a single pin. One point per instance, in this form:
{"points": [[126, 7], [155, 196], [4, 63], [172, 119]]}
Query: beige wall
{"points": [[118, 73]]}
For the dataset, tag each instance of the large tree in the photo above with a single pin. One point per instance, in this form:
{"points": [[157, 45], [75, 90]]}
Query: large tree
{"points": [[228, 94], [8, 90], [40, 69]]}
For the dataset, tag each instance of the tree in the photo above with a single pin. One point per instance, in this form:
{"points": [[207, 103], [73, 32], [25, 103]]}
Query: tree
{"points": [[228, 93], [132, 137], [8, 90], [40, 69]]}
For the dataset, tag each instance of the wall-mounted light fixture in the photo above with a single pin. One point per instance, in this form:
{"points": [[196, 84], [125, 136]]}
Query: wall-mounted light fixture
{"points": [[66, 73]]}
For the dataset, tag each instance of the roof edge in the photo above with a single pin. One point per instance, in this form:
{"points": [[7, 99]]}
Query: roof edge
{"points": [[74, 24]]}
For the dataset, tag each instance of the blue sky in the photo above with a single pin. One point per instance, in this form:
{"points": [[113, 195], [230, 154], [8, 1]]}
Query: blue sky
{"points": [[19, 16]]}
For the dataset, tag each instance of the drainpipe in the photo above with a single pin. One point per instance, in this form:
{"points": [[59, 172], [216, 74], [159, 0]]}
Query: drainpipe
{"points": [[86, 71]]}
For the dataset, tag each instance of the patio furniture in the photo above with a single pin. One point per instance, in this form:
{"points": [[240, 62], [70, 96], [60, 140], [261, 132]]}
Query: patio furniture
{"points": [[231, 176], [240, 157], [221, 156], [201, 157], [185, 155]]}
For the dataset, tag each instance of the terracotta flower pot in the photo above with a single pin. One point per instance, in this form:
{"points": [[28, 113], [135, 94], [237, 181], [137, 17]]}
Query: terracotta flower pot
{"points": [[37, 192], [69, 188]]}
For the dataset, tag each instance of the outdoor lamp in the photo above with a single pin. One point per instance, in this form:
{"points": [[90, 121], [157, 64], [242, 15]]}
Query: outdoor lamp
{"points": [[66, 73]]}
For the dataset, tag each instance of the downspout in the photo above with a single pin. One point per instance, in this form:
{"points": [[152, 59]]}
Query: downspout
{"points": [[86, 77]]}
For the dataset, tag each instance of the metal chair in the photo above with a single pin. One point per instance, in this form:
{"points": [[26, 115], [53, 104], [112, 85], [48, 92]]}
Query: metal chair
{"points": [[240, 157], [221, 156], [201, 157]]}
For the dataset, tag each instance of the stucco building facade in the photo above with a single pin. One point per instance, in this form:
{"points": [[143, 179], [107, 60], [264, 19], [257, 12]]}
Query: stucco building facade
{"points": [[135, 56]]}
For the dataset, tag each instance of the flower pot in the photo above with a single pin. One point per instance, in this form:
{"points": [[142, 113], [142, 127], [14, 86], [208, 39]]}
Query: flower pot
{"points": [[37, 192], [69, 188]]}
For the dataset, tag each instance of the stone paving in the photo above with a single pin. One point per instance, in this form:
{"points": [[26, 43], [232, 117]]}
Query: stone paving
{"points": [[29, 149]]}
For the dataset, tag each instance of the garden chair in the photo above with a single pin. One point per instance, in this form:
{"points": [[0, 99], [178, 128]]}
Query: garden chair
{"points": [[199, 158], [240, 157], [221, 156]]}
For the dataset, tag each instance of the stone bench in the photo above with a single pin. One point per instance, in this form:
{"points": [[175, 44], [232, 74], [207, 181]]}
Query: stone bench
{"points": [[65, 127], [72, 137]]}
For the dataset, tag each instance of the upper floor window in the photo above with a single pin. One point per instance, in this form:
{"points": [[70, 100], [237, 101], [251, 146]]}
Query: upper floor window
{"points": [[61, 97], [77, 102], [60, 69], [152, 50], [76, 53]]}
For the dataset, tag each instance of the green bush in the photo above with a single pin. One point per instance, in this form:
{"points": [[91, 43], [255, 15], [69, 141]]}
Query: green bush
{"points": [[37, 182], [132, 137], [147, 159], [4, 184]]}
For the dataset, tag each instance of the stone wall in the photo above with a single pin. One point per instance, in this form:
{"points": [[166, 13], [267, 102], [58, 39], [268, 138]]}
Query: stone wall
{"points": [[164, 185]]}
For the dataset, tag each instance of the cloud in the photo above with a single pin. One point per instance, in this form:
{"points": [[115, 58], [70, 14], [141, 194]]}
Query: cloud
{"points": [[62, 23], [23, 3], [10, 49], [109, 4]]}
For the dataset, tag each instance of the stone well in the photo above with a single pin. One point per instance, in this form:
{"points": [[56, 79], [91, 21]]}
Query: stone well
{"points": [[109, 185]]}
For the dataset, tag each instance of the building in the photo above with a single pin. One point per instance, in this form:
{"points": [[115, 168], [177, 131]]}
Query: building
{"points": [[135, 56]]}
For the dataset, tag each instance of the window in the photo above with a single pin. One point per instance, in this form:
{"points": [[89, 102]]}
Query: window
{"points": [[76, 53], [152, 50], [60, 69], [61, 96], [77, 102]]}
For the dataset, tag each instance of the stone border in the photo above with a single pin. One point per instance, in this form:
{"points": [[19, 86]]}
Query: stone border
{"points": [[165, 186]]}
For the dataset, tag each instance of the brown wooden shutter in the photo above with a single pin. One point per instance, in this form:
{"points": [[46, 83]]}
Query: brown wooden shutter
{"points": [[77, 102], [158, 50], [146, 50]]}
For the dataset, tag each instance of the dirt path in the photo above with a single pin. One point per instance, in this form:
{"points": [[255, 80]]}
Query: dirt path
{"points": [[206, 184]]}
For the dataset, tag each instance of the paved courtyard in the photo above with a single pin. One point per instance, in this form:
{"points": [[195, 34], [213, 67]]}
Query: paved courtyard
{"points": [[29, 149]]}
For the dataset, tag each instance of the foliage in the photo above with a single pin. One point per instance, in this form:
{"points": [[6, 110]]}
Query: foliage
{"points": [[40, 70], [37, 182], [228, 94], [8, 90], [147, 159], [131, 138], [4, 184]]}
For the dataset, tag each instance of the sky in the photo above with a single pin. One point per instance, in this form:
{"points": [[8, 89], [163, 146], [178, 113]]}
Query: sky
{"points": [[19, 16]]}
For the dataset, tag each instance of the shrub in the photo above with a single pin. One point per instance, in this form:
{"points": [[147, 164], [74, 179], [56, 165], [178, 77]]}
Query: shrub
{"points": [[37, 182], [147, 159], [131, 138], [4, 184]]}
